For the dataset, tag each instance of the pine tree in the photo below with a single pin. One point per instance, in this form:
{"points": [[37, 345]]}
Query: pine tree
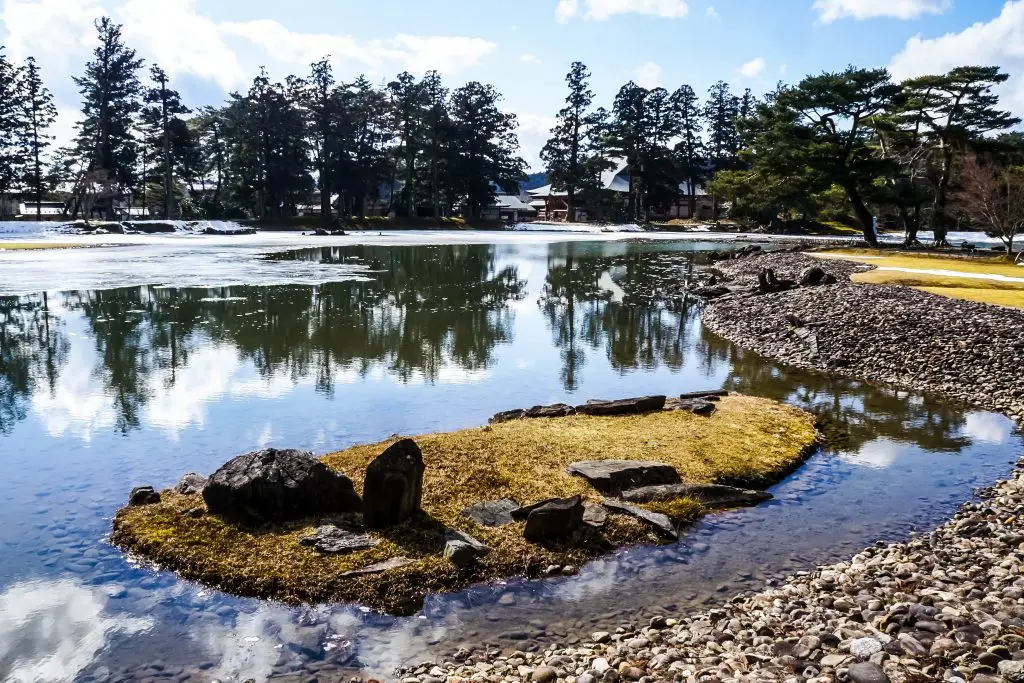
{"points": [[12, 125], [110, 89], [408, 104], [168, 136], [720, 113], [626, 137], [690, 148], [321, 101], [40, 113], [568, 155], [436, 132]]}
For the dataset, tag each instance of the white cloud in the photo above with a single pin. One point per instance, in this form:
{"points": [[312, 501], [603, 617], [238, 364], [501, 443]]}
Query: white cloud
{"points": [[600, 10], [712, 13], [528, 58], [534, 131], [833, 10], [754, 68], [647, 75], [998, 41]]}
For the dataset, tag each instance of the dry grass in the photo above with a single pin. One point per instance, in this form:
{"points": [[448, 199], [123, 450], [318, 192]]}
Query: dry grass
{"points": [[749, 440], [36, 246]]}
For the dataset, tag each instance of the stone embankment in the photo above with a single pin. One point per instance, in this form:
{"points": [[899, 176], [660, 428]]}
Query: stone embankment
{"points": [[967, 351], [948, 606]]}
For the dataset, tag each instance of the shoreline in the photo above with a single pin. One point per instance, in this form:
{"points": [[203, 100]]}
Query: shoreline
{"points": [[945, 606]]}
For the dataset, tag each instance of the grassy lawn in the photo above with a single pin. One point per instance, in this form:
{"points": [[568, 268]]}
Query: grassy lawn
{"points": [[748, 440], [949, 283]]}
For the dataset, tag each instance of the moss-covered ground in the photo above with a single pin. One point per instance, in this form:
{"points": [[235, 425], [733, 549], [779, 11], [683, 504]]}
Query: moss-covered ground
{"points": [[749, 441]]}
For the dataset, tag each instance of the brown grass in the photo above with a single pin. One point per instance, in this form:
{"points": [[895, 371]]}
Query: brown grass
{"points": [[749, 440]]}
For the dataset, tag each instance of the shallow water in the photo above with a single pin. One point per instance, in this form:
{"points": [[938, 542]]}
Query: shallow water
{"points": [[105, 387]]}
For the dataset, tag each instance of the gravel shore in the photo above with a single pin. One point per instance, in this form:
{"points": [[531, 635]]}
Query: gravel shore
{"points": [[946, 606]]}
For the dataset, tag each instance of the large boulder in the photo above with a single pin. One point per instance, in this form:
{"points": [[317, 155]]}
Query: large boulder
{"points": [[393, 488], [613, 476], [274, 485], [554, 519], [626, 406]]}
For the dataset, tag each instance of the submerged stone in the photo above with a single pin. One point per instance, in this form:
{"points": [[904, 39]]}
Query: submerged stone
{"points": [[276, 486], [613, 476], [393, 488]]}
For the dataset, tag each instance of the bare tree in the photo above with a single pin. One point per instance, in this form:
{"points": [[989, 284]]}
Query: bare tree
{"points": [[992, 196]]}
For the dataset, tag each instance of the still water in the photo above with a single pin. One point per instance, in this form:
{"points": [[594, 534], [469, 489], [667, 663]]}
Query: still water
{"points": [[105, 388]]}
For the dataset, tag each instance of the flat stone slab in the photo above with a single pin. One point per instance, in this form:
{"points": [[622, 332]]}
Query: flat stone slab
{"points": [[462, 537], [334, 540], [661, 523], [507, 416], [492, 513], [705, 395], [713, 495], [626, 406], [556, 410], [613, 476], [380, 567]]}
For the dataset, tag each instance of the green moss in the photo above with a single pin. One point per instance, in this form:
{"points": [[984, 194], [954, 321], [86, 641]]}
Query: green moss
{"points": [[746, 439]]}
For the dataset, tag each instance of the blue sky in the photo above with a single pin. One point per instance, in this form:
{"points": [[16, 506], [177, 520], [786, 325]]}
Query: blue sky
{"points": [[212, 46]]}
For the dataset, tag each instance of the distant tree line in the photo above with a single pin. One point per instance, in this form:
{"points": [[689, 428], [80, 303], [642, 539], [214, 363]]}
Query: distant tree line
{"points": [[852, 143], [427, 149]]}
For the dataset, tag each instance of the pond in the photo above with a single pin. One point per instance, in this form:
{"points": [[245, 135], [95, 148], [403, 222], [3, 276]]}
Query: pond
{"points": [[104, 387]]}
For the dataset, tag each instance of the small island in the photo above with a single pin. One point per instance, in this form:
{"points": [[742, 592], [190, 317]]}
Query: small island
{"points": [[537, 492]]}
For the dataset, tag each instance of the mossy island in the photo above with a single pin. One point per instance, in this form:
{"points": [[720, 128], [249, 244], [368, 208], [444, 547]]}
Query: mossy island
{"points": [[536, 492]]}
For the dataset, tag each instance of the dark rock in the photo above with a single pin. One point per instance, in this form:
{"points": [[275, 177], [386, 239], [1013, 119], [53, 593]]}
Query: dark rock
{"points": [[555, 519], [320, 232], [613, 476], [703, 395], [463, 550], [276, 486], [393, 489], [712, 495], [508, 416], [595, 516], [456, 535], [710, 291], [143, 495], [380, 567], [768, 283], [492, 513], [556, 410], [661, 523], [626, 406], [190, 484], [335, 541], [867, 672], [812, 276], [696, 406]]}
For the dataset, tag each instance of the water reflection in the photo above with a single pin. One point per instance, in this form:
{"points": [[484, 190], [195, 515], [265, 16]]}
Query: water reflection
{"points": [[104, 390]]}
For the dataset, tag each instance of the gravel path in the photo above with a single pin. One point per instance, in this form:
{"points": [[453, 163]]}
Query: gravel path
{"points": [[948, 606]]}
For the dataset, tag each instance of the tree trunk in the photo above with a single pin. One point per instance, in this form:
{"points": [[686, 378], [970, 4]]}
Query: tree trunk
{"points": [[867, 221], [909, 227], [570, 204], [168, 171], [939, 225]]}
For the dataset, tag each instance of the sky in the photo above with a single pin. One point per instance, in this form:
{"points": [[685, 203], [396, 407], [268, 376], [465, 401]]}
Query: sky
{"points": [[211, 47]]}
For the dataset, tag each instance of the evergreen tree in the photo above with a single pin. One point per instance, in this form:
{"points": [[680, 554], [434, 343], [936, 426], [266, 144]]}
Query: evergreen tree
{"points": [[626, 137], [483, 147], [407, 106], [322, 103], [12, 125], [436, 132], [957, 109], [720, 114], [690, 148], [568, 155], [110, 90], [168, 137], [40, 113]]}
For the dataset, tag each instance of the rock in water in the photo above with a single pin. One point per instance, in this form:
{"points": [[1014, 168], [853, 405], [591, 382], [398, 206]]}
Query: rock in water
{"points": [[393, 489], [712, 495], [613, 476], [661, 523], [867, 672], [626, 406], [555, 519], [492, 513], [190, 484], [335, 541], [143, 495], [276, 486]]}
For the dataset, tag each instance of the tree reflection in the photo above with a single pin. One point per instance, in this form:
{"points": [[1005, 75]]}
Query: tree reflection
{"points": [[33, 347]]}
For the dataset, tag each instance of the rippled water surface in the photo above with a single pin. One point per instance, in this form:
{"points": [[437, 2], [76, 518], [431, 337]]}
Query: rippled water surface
{"points": [[103, 387]]}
